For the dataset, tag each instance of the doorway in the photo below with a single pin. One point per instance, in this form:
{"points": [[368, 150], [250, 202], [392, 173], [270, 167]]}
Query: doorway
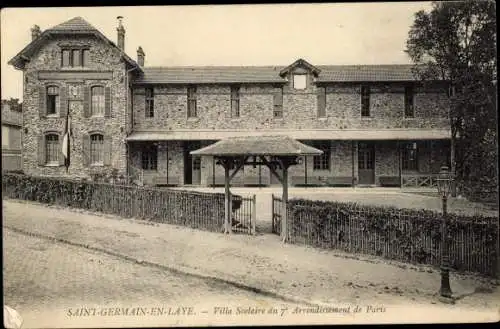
{"points": [[192, 165], [366, 163]]}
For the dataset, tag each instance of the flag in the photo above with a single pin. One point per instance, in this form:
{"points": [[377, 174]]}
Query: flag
{"points": [[66, 143]]}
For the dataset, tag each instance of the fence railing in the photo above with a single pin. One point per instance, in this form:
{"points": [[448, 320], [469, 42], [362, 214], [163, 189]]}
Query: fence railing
{"points": [[419, 180], [187, 208], [276, 211], [243, 218], [398, 235]]}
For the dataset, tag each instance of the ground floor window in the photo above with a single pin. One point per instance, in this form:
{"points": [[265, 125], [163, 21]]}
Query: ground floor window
{"points": [[149, 156], [322, 162], [52, 148], [97, 149], [410, 156]]}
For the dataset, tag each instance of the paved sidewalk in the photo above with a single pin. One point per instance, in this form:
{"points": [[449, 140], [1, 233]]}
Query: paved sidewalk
{"points": [[261, 262]]}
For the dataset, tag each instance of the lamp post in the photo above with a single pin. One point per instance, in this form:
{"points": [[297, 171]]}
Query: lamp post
{"points": [[444, 186]]}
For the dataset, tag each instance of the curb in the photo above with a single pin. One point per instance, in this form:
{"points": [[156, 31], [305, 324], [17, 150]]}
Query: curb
{"points": [[175, 270]]}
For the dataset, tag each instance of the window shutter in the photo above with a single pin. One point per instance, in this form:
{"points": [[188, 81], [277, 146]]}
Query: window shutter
{"points": [[107, 150], [61, 155], [41, 150], [42, 101], [86, 150], [63, 97], [107, 102], [321, 102], [86, 101]]}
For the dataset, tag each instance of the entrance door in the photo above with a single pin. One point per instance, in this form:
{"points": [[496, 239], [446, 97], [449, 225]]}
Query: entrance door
{"points": [[192, 165], [366, 163]]}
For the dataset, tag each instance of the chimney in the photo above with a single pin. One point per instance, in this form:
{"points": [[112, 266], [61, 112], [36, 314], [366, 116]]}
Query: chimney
{"points": [[35, 32], [140, 56], [121, 34]]}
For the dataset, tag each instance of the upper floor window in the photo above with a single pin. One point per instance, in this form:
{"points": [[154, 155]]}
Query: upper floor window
{"points": [[150, 103], [78, 57], [299, 81], [52, 149], [278, 104], [410, 156], [149, 157], [97, 101], [192, 102], [409, 103], [52, 100], [235, 101], [97, 149], [365, 101], [322, 162]]}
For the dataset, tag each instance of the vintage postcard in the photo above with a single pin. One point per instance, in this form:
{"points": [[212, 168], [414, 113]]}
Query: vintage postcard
{"points": [[223, 165]]}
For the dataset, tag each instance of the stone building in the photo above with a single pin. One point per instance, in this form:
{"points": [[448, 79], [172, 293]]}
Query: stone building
{"points": [[377, 124], [12, 122]]}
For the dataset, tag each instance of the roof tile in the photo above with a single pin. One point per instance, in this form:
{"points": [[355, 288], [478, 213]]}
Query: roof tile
{"points": [[74, 24]]}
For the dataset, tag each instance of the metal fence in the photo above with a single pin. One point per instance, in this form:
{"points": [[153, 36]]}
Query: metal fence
{"points": [[244, 216], [398, 236]]}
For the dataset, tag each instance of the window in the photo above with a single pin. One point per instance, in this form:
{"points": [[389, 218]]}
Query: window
{"points": [[365, 101], [322, 162], [278, 104], [299, 81], [150, 103], [150, 157], [192, 102], [75, 57], [410, 156], [97, 102], [409, 108], [52, 149], [235, 101], [5, 136], [321, 102], [97, 149], [52, 100]]}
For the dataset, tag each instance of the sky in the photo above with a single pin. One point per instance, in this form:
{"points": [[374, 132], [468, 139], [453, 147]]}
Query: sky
{"points": [[269, 34]]}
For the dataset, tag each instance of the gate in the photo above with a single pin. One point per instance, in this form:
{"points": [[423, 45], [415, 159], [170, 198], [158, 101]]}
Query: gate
{"points": [[277, 208], [243, 214]]}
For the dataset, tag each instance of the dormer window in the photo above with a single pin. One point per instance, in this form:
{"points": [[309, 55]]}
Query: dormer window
{"points": [[75, 57], [299, 81]]}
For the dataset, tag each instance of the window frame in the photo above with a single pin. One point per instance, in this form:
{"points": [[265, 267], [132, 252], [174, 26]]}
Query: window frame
{"points": [[409, 101], [54, 99], [296, 75], [407, 163], [278, 108], [92, 149], [149, 99], [322, 162], [102, 99], [235, 101], [192, 110], [365, 101], [52, 148], [83, 55], [149, 156]]}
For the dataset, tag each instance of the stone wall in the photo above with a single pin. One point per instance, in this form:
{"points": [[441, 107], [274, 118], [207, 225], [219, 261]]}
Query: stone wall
{"points": [[103, 58]]}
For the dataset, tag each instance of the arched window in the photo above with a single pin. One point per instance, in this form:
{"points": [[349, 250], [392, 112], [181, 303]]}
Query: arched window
{"points": [[96, 149], [97, 102], [52, 99], [52, 149]]}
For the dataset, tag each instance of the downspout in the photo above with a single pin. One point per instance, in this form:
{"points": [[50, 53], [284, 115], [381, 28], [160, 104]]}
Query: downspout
{"points": [[128, 107]]}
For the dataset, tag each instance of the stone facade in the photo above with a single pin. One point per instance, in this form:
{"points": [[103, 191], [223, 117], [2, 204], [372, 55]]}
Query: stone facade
{"points": [[102, 58]]}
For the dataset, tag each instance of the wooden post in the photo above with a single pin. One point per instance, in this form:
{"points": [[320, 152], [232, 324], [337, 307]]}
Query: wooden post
{"points": [[305, 163], [227, 193], [254, 213], [400, 165], [284, 229], [353, 164], [453, 168], [213, 172]]}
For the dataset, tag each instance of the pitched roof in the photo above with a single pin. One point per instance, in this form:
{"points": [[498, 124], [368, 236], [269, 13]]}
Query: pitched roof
{"points": [[258, 145], [271, 74], [74, 24], [300, 62]]}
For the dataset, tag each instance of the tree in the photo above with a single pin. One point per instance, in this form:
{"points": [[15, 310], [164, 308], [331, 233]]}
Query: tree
{"points": [[14, 104], [456, 42]]}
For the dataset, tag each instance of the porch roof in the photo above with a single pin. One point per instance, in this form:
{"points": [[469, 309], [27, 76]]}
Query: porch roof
{"points": [[258, 145], [298, 134]]}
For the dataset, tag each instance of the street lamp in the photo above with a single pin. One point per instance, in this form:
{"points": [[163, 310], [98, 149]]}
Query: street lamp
{"points": [[444, 187]]}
